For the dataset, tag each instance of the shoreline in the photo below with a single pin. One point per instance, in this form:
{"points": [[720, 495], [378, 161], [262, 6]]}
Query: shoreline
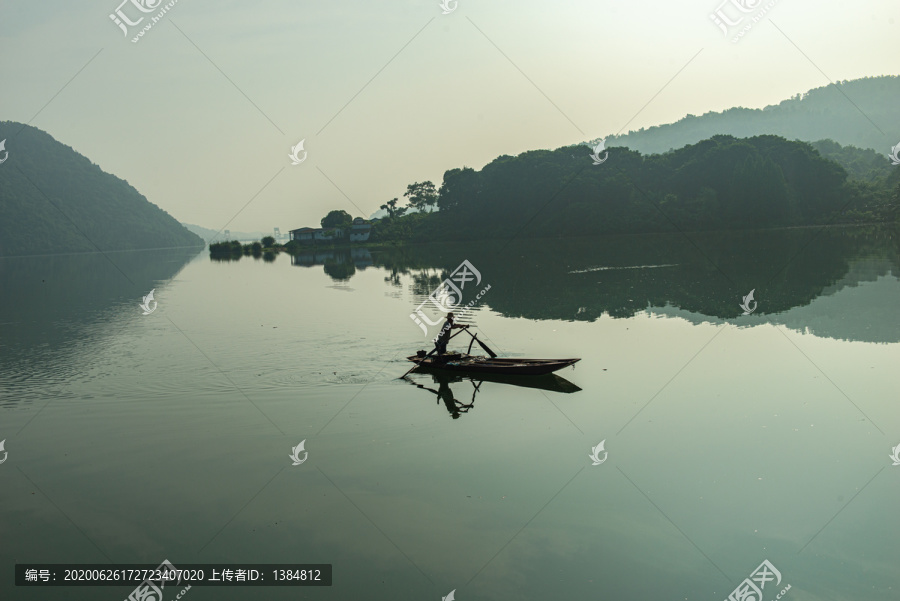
{"points": [[406, 243]]}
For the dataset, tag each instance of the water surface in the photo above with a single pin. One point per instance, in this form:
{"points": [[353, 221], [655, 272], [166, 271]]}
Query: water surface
{"points": [[731, 438]]}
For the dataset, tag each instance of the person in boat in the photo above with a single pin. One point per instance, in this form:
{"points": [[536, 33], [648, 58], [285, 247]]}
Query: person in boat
{"points": [[440, 343]]}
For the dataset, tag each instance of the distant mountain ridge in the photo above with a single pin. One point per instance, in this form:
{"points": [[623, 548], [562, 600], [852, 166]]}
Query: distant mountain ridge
{"points": [[219, 235], [55, 200], [862, 112]]}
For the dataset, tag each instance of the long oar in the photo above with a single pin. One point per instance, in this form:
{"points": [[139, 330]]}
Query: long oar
{"points": [[434, 350], [482, 345]]}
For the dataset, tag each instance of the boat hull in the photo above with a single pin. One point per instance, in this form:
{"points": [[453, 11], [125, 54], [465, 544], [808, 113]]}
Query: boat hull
{"points": [[463, 363]]}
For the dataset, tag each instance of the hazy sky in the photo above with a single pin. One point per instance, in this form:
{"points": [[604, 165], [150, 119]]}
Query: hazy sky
{"points": [[201, 114]]}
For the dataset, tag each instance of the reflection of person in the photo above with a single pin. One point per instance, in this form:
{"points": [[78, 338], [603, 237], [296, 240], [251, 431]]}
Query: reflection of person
{"points": [[453, 406], [440, 343]]}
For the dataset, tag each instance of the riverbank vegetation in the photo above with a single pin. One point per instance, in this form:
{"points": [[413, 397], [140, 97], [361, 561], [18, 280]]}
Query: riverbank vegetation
{"points": [[723, 183]]}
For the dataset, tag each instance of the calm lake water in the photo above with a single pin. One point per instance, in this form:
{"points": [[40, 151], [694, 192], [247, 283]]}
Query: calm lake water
{"points": [[729, 439]]}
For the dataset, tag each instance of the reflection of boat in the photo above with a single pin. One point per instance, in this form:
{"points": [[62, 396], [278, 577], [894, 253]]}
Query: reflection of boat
{"points": [[471, 364], [456, 407], [549, 382]]}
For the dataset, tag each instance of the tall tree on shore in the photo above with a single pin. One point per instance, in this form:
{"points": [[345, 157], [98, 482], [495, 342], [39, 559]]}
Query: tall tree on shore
{"points": [[392, 209], [336, 218], [389, 207], [421, 195], [459, 186]]}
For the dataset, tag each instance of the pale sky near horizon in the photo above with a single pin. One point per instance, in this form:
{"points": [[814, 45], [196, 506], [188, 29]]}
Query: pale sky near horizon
{"points": [[201, 114]]}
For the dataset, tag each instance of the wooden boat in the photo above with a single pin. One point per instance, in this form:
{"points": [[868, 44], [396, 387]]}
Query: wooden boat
{"points": [[471, 364]]}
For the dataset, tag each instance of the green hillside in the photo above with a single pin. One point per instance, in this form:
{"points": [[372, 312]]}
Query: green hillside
{"points": [[861, 163], [54, 200], [723, 183]]}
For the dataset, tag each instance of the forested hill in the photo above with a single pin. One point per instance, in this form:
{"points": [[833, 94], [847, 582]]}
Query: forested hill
{"points": [[53, 199], [862, 112], [720, 183]]}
